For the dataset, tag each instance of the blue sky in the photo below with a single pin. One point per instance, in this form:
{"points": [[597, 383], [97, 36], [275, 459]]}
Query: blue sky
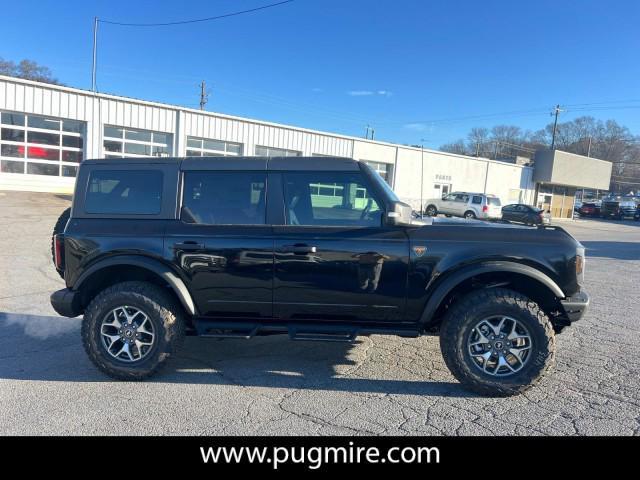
{"points": [[401, 66]]}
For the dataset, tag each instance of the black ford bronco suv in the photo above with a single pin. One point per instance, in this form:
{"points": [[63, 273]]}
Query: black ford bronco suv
{"points": [[320, 249]]}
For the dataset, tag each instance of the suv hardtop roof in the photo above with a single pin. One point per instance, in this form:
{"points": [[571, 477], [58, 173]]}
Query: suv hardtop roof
{"points": [[473, 193], [240, 163]]}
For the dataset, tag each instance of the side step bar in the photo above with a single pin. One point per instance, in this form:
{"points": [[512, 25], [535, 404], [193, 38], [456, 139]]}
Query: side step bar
{"points": [[296, 331]]}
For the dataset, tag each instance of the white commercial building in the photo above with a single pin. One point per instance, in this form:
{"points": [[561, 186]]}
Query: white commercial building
{"points": [[46, 131]]}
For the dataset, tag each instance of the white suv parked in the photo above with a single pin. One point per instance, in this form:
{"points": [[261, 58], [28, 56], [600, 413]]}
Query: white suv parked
{"points": [[467, 205]]}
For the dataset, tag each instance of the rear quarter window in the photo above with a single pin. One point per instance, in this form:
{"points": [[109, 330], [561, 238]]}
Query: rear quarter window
{"points": [[124, 192], [477, 199]]}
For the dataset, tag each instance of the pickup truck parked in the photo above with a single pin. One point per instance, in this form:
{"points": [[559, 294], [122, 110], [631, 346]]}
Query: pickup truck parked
{"points": [[319, 249], [618, 207]]}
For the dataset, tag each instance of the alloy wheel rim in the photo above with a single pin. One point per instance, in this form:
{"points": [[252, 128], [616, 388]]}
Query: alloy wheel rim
{"points": [[127, 334], [499, 345]]}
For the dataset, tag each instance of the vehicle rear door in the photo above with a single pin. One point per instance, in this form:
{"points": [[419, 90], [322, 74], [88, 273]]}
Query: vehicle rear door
{"points": [[334, 258], [223, 244]]}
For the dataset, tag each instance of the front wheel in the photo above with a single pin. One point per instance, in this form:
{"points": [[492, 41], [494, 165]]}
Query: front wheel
{"points": [[131, 329], [497, 342], [432, 211]]}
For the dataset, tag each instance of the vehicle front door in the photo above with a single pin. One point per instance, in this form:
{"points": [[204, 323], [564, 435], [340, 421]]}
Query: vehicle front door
{"points": [[223, 245], [447, 205], [460, 204], [334, 258]]}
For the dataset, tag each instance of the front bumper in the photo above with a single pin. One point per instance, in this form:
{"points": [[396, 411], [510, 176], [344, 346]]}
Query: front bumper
{"points": [[576, 306], [66, 302]]}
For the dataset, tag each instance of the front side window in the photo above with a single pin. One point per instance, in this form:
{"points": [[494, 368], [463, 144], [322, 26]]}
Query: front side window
{"points": [[129, 142], [39, 145], [224, 198], [330, 199], [124, 192]]}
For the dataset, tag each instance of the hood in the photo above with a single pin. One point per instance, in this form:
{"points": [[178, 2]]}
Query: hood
{"points": [[477, 231], [463, 222]]}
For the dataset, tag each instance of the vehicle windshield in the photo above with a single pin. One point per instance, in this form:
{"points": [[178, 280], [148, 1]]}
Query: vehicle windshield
{"points": [[495, 201], [385, 186]]}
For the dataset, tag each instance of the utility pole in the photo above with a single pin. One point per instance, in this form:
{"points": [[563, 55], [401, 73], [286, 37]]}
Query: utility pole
{"points": [[589, 148], [556, 112], [204, 96], [95, 54], [366, 132]]}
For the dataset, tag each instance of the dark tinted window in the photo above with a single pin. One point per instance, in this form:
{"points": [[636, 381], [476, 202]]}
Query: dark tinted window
{"points": [[477, 199], [330, 198], [224, 198], [124, 192]]}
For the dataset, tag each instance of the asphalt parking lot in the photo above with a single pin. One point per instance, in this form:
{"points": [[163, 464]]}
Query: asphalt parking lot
{"points": [[380, 385]]}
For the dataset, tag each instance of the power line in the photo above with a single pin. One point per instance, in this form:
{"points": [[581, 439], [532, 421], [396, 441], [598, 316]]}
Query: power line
{"points": [[197, 20]]}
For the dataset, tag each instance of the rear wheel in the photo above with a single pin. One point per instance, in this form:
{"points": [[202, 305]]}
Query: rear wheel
{"points": [[59, 228], [431, 210], [469, 215], [497, 342], [131, 329]]}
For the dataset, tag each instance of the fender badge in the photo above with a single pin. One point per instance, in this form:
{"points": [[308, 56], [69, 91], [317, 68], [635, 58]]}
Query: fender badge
{"points": [[419, 251]]}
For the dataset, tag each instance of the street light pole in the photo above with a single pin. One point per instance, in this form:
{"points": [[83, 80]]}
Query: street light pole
{"points": [[421, 177], [95, 54]]}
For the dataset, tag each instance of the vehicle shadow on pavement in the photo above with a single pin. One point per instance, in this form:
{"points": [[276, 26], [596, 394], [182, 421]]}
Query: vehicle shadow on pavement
{"points": [[48, 348], [615, 250]]}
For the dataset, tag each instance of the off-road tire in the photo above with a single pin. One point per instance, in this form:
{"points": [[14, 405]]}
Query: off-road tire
{"points": [[162, 310], [431, 211], [464, 315], [59, 228]]}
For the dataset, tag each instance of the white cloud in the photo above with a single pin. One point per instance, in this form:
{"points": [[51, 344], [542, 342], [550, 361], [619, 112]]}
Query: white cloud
{"points": [[368, 93], [416, 127], [317, 90]]}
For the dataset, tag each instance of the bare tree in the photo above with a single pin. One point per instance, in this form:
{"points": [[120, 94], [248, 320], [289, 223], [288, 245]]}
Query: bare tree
{"points": [[455, 147], [606, 140], [27, 69]]}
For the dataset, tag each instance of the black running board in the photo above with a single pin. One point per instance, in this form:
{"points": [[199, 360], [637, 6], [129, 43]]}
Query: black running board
{"points": [[296, 331]]}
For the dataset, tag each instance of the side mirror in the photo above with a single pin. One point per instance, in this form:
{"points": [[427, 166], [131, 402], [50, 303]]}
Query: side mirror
{"points": [[398, 213]]}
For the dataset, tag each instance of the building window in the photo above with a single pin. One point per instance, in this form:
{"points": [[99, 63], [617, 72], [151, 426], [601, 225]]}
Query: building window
{"points": [[384, 169], [40, 145], [203, 147], [122, 142], [275, 152]]}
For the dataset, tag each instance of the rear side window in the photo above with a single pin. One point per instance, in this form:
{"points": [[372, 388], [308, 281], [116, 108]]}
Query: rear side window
{"points": [[224, 198], [124, 192]]}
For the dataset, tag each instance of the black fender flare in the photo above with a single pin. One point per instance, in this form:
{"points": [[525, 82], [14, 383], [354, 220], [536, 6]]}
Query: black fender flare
{"points": [[154, 266], [451, 280]]}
